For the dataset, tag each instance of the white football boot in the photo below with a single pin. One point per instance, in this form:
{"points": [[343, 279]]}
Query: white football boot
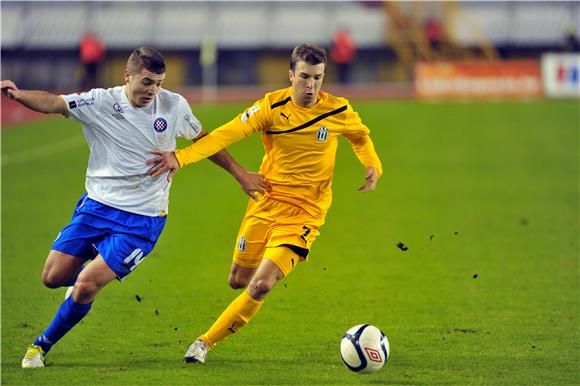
{"points": [[34, 357], [196, 352]]}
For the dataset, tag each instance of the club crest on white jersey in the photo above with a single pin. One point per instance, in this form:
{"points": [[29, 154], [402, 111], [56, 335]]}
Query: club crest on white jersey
{"points": [[160, 125]]}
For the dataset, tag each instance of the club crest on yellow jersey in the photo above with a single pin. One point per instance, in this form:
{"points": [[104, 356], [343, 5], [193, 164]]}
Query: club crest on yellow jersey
{"points": [[322, 134], [242, 244]]}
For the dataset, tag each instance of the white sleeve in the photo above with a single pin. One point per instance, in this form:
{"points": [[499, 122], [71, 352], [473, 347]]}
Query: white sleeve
{"points": [[188, 126], [83, 107]]}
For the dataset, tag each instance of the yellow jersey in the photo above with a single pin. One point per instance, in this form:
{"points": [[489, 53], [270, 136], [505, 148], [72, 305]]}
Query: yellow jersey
{"points": [[300, 144]]}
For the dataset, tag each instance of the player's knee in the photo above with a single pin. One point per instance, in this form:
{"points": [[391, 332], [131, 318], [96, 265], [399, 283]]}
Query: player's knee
{"points": [[84, 290], [237, 282], [259, 288], [51, 280]]}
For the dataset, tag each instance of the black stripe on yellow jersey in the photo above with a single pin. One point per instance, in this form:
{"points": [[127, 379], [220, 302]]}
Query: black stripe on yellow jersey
{"points": [[310, 122], [281, 103]]}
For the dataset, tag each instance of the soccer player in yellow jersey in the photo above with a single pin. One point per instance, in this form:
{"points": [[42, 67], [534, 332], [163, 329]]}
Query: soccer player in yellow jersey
{"points": [[300, 127]]}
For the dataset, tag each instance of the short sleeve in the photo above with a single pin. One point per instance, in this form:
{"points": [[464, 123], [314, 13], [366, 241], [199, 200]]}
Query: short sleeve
{"points": [[188, 126], [84, 107]]}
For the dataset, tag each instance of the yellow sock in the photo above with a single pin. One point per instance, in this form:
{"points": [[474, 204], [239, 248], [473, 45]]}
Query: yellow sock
{"points": [[236, 316]]}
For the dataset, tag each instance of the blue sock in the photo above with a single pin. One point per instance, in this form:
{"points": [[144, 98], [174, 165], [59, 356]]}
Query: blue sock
{"points": [[74, 277], [67, 316]]}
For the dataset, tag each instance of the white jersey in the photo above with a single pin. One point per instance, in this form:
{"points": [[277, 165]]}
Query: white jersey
{"points": [[120, 139]]}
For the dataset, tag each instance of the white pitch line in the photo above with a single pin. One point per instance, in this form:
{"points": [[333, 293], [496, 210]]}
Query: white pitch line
{"points": [[43, 151]]}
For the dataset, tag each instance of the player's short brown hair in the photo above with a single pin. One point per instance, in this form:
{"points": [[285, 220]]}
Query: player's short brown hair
{"points": [[148, 58], [309, 53]]}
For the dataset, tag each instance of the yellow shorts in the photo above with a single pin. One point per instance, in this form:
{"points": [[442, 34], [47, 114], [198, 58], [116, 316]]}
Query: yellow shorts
{"points": [[269, 224]]}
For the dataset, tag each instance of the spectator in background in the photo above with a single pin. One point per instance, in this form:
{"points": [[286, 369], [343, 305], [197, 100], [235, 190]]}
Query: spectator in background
{"points": [[434, 32], [343, 52], [571, 43], [92, 54]]}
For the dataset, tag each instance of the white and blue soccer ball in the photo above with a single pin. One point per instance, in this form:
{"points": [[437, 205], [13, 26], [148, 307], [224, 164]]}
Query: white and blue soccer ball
{"points": [[364, 349]]}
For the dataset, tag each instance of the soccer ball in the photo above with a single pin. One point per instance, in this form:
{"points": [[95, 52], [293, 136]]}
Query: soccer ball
{"points": [[364, 349]]}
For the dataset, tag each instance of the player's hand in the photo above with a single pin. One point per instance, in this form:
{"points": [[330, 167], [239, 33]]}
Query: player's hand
{"points": [[253, 183], [164, 161], [371, 177], [9, 89]]}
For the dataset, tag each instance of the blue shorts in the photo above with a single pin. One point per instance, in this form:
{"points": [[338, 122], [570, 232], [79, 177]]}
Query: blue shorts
{"points": [[123, 239]]}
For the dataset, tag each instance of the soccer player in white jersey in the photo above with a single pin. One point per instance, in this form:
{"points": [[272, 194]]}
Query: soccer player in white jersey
{"points": [[117, 222]]}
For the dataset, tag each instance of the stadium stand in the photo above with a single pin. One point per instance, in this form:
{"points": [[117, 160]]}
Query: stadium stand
{"points": [[390, 36]]}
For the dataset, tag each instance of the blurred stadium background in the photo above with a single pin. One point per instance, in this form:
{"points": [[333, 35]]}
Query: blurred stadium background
{"points": [[236, 50]]}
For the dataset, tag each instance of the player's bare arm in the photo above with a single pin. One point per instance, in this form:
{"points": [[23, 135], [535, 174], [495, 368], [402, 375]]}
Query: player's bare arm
{"points": [[371, 177], [41, 101]]}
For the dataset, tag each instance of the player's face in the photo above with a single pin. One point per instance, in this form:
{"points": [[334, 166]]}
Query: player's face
{"points": [[142, 86], [306, 81]]}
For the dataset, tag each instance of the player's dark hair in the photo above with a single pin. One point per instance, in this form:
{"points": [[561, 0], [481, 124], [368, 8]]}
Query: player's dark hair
{"points": [[309, 53], [148, 58]]}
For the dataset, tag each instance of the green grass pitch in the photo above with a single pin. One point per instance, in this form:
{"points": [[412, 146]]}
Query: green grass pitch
{"points": [[484, 195]]}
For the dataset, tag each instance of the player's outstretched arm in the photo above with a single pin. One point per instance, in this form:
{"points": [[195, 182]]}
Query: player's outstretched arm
{"points": [[371, 177], [250, 182], [41, 101]]}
